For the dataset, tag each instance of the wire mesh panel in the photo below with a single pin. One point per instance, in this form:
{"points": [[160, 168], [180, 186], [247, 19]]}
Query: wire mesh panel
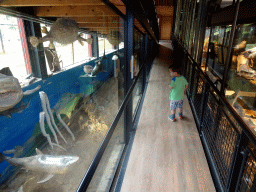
{"points": [[248, 180], [223, 132], [198, 94], [221, 138]]}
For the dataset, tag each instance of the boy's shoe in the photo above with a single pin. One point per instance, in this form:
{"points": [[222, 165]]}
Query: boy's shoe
{"points": [[172, 118], [180, 115]]}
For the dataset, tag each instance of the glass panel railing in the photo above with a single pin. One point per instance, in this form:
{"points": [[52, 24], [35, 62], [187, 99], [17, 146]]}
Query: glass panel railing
{"points": [[114, 136], [103, 177], [82, 124], [67, 120]]}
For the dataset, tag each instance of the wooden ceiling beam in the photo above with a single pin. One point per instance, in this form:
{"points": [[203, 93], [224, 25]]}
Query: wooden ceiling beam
{"points": [[99, 19], [100, 30], [117, 2], [164, 10], [138, 25], [73, 11], [122, 9], [99, 25], [27, 3]]}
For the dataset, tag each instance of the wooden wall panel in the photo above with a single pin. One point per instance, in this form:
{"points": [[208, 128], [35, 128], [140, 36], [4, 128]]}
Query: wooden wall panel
{"points": [[165, 26]]}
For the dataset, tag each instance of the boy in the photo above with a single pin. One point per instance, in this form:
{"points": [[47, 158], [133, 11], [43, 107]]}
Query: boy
{"points": [[178, 87]]}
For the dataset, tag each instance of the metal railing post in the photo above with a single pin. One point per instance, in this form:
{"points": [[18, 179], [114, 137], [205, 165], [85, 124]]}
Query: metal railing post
{"points": [[36, 54], [237, 162], [230, 47], [128, 44], [95, 46], [245, 155]]}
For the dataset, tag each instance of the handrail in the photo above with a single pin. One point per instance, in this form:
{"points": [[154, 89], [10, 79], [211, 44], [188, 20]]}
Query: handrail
{"points": [[241, 123], [96, 160]]}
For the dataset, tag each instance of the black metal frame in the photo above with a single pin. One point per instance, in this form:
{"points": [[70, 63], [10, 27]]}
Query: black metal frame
{"points": [[128, 44], [95, 46], [226, 137], [91, 170], [117, 183], [233, 30], [36, 54], [126, 106]]}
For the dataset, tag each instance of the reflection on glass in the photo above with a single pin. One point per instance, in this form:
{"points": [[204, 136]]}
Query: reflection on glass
{"points": [[217, 55], [192, 38], [110, 40], [104, 46], [241, 90], [215, 59], [81, 53], [191, 27], [205, 48], [137, 92], [136, 52]]}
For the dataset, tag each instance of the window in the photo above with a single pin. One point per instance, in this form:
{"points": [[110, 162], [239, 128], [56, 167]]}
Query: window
{"points": [[104, 46], [66, 54], [13, 47]]}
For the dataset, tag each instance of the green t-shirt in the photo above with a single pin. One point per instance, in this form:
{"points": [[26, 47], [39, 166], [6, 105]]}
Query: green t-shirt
{"points": [[178, 84]]}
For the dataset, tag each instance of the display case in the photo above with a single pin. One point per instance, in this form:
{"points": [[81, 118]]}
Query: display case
{"points": [[241, 84], [50, 139]]}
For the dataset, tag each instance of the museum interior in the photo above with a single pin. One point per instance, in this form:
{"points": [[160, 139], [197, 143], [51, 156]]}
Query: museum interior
{"points": [[84, 95]]}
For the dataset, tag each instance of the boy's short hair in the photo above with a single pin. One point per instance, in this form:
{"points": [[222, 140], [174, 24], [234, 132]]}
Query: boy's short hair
{"points": [[177, 70]]}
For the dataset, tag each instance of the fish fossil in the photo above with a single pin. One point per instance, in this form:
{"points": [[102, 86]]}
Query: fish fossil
{"points": [[11, 94], [63, 31], [42, 163]]}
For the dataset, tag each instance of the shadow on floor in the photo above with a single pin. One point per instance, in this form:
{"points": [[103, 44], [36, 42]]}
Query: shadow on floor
{"points": [[165, 55]]}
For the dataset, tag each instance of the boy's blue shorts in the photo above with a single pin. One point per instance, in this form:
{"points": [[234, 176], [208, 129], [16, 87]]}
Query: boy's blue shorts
{"points": [[176, 104]]}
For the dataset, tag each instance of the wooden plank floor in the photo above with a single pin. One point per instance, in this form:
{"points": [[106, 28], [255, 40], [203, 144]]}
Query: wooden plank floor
{"points": [[165, 156]]}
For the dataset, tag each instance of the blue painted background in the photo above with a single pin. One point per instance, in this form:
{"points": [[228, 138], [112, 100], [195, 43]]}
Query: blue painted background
{"points": [[17, 130]]}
